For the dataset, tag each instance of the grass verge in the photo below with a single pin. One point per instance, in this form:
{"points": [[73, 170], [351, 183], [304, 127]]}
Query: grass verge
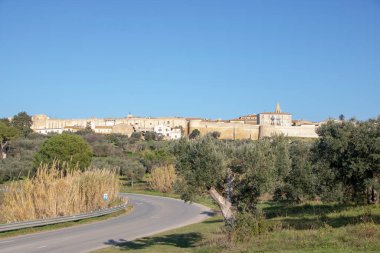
{"points": [[310, 227], [142, 188]]}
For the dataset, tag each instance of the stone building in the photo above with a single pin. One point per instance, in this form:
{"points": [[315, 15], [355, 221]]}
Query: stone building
{"points": [[168, 132], [44, 124], [276, 118]]}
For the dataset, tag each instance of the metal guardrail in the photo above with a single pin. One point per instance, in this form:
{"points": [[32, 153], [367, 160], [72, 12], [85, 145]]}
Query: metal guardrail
{"points": [[43, 222]]}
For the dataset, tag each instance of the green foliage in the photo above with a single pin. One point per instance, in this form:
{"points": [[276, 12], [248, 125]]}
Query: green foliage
{"points": [[22, 121], [201, 166], [151, 136], [129, 167], [7, 133], [299, 184], [215, 134], [16, 167], [5, 121], [156, 158], [104, 149], [68, 148], [86, 130], [254, 166], [136, 135], [347, 156], [249, 225], [194, 134], [19, 161]]}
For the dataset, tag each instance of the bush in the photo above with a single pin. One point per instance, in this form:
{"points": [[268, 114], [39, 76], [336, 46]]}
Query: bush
{"points": [[150, 136], [157, 158], [129, 167], [194, 134], [104, 149], [162, 178], [248, 225], [16, 167], [69, 148], [57, 191]]}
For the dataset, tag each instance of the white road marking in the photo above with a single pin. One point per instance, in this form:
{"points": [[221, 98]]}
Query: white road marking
{"points": [[44, 246]]}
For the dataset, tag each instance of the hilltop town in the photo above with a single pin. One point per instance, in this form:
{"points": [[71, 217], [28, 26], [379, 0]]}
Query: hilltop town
{"points": [[253, 126]]}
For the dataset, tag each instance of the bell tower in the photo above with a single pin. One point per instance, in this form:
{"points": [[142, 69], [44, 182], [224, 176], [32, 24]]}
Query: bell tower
{"points": [[278, 108]]}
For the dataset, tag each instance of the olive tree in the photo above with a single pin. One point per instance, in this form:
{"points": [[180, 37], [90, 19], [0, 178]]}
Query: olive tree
{"points": [[233, 174], [202, 169], [347, 156]]}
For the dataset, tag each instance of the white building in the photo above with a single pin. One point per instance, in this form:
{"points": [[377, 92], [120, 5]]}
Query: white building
{"points": [[168, 132]]}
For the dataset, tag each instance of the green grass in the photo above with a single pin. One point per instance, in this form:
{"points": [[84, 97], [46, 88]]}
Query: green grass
{"points": [[63, 225], [310, 227], [183, 239], [142, 188]]}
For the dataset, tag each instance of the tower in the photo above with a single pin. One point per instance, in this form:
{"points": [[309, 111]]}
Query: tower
{"points": [[278, 108]]}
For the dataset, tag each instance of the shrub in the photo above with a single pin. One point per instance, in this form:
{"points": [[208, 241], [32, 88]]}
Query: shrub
{"points": [[16, 167], [194, 134], [69, 148], [248, 225], [129, 167], [162, 178]]}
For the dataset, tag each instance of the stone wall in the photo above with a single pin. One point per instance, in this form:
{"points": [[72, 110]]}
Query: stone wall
{"points": [[230, 131], [304, 131]]}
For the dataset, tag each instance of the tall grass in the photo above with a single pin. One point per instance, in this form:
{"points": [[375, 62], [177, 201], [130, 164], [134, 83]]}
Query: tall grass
{"points": [[57, 190], [162, 178]]}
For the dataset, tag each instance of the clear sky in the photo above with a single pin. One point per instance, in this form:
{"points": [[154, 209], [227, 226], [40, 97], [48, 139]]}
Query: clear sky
{"points": [[198, 58]]}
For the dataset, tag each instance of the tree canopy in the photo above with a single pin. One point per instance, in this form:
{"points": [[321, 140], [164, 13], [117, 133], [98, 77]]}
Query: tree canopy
{"points": [[69, 148], [348, 158], [7, 133], [23, 122]]}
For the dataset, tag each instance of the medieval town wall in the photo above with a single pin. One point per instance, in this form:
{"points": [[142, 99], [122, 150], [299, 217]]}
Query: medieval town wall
{"points": [[231, 131], [304, 131]]}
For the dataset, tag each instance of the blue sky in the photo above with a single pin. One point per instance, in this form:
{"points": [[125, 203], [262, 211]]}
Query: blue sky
{"points": [[199, 58]]}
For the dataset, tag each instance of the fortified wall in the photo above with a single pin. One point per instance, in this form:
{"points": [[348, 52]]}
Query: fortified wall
{"points": [[304, 131], [227, 130], [239, 131], [250, 126]]}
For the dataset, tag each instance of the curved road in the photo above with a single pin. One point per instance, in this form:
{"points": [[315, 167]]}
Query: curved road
{"points": [[150, 215]]}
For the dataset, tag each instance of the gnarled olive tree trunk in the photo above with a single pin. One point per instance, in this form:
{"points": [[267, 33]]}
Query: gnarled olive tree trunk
{"points": [[225, 206], [224, 203]]}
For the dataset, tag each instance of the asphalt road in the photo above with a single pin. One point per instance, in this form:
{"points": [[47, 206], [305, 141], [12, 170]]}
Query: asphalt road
{"points": [[150, 215]]}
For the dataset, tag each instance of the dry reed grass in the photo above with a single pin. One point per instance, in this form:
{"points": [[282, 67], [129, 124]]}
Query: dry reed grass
{"points": [[54, 192], [162, 178]]}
